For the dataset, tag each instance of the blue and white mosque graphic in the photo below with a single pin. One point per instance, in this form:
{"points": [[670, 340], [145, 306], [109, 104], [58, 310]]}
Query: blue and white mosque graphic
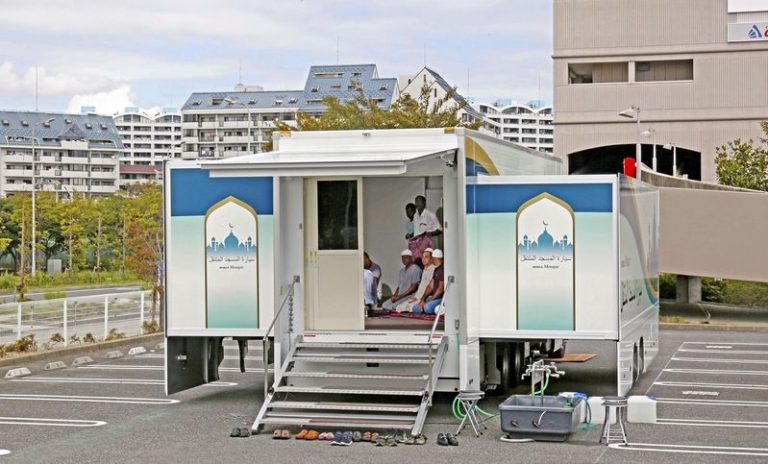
{"points": [[231, 246], [546, 243]]}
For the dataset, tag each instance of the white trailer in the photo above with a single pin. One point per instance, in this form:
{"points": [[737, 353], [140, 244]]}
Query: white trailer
{"points": [[270, 247]]}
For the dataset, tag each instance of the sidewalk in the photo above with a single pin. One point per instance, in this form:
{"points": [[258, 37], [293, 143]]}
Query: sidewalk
{"points": [[713, 315]]}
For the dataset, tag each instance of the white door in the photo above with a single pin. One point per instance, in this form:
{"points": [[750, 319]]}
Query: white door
{"points": [[333, 220]]}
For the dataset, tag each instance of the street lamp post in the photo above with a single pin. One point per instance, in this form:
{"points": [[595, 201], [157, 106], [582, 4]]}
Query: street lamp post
{"points": [[634, 113], [34, 231], [673, 147], [652, 133], [234, 101]]}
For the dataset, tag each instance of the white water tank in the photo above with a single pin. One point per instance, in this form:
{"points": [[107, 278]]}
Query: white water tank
{"points": [[597, 410]]}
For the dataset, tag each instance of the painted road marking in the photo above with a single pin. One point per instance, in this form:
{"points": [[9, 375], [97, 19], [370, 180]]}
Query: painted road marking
{"points": [[727, 343], [719, 347], [89, 399], [4, 452], [696, 350], [50, 422], [134, 367], [90, 380], [713, 423], [715, 371], [713, 402], [700, 393], [662, 371], [712, 385], [721, 360], [692, 449]]}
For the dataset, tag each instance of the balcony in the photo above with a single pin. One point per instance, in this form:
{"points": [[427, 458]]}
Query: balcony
{"points": [[18, 173], [16, 187], [104, 175], [103, 188], [17, 158]]}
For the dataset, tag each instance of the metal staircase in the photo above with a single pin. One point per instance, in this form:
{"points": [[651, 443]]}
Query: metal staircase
{"points": [[355, 385]]}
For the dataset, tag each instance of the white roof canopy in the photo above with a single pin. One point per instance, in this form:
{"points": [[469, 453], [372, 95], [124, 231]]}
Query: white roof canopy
{"points": [[338, 153]]}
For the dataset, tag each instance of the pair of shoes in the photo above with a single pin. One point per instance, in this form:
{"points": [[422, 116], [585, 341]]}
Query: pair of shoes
{"points": [[240, 432], [342, 439], [307, 434], [447, 439], [416, 440], [373, 438], [281, 434], [400, 437], [357, 436], [326, 436]]}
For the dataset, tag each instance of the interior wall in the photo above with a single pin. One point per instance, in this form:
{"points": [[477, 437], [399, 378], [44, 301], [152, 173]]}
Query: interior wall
{"points": [[384, 200]]}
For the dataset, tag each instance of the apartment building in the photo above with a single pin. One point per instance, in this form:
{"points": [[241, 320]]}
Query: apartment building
{"points": [[693, 72], [526, 125], [529, 125], [74, 153], [149, 139], [225, 124]]}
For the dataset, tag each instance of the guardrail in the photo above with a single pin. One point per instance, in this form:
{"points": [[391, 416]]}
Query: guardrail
{"points": [[438, 311], [73, 318], [265, 351]]}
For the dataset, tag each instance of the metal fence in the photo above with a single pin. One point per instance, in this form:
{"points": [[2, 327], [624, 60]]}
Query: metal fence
{"points": [[77, 319]]}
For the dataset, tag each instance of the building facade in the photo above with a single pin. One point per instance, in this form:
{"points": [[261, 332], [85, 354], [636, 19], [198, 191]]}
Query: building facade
{"points": [[695, 72], [225, 124], [527, 125], [74, 153], [148, 140]]}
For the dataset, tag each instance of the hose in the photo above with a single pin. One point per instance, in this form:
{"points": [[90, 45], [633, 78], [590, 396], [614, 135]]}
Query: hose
{"points": [[459, 414]]}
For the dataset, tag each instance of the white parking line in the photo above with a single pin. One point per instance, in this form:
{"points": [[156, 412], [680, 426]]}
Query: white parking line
{"points": [[4, 452], [90, 399], [713, 423], [725, 343], [50, 422], [692, 449], [662, 371], [712, 385], [137, 367], [90, 380], [715, 371], [720, 360], [719, 351], [708, 402]]}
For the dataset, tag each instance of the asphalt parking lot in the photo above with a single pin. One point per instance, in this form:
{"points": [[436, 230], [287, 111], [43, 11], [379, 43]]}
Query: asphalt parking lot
{"points": [[712, 389]]}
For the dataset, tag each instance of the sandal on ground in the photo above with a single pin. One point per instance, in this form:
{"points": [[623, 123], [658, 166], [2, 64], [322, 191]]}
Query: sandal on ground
{"points": [[453, 440], [312, 435], [285, 434], [302, 434], [442, 439], [420, 439], [235, 432], [357, 436], [277, 434], [245, 432], [375, 437], [366, 436]]}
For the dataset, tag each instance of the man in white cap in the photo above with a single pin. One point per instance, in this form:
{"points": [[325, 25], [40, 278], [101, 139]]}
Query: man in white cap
{"points": [[434, 294], [407, 281], [426, 278]]}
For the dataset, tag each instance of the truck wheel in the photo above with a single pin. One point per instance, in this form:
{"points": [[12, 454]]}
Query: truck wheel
{"points": [[642, 357], [635, 364], [512, 364]]}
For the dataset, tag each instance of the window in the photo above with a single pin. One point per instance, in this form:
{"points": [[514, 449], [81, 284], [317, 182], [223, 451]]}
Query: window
{"points": [[325, 75], [598, 73], [337, 215], [336, 87], [659, 71]]}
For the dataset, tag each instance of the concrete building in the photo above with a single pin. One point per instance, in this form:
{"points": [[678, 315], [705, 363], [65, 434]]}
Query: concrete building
{"points": [[148, 140], [696, 69], [140, 173], [73, 153], [527, 125], [224, 124]]}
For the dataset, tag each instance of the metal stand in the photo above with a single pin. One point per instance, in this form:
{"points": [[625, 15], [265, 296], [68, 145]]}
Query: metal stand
{"points": [[619, 404], [468, 401]]}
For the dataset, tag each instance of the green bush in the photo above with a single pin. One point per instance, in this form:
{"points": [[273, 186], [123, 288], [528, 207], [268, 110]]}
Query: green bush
{"points": [[150, 327], [8, 281], [668, 286], [713, 290], [89, 338], [114, 335], [22, 345], [750, 294], [44, 280]]}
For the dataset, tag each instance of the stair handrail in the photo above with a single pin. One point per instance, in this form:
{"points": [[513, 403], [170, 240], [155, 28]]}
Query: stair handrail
{"points": [[440, 309], [265, 342]]}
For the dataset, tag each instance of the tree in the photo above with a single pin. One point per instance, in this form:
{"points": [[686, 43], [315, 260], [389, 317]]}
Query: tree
{"points": [[405, 113], [742, 164]]}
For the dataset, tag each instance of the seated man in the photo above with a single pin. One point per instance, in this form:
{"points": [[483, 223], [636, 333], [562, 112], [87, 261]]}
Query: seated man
{"points": [[426, 278], [407, 281], [371, 277], [434, 294]]}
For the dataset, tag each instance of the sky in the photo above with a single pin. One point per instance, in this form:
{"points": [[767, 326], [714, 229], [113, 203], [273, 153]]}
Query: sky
{"points": [[152, 54]]}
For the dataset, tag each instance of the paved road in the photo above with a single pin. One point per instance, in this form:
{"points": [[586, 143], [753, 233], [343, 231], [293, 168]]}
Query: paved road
{"points": [[115, 411]]}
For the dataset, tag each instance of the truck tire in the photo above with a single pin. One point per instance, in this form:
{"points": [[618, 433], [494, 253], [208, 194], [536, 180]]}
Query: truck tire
{"points": [[512, 364]]}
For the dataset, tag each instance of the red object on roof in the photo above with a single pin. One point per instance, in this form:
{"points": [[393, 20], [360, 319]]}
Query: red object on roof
{"points": [[139, 169]]}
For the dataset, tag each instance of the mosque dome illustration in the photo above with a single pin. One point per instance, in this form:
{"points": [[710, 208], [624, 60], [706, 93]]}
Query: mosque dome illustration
{"points": [[545, 239]]}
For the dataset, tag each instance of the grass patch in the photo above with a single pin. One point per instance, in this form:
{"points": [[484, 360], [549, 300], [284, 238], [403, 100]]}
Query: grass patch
{"points": [[672, 320], [54, 294]]}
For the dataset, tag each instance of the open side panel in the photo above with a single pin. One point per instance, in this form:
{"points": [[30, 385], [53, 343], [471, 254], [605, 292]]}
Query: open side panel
{"points": [[219, 256], [542, 254]]}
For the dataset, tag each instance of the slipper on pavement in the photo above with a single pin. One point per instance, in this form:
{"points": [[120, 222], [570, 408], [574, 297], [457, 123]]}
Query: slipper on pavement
{"points": [[312, 435], [442, 439], [453, 440], [366, 436], [276, 434], [245, 432], [235, 432], [285, 435], [302, 434]]}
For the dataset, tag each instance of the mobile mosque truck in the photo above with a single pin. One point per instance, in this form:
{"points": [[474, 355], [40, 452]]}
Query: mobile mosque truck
{"points": [[270, 247]]}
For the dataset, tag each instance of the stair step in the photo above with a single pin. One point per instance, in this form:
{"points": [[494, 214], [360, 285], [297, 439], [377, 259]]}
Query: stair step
{"points": [[356, 375], [327, 405], [396, 391], [370, 423], [341, 416], [396, 346], [362, 358]]}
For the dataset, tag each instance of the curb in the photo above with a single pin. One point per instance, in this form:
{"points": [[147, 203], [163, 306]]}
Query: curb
{"points": [[713, 327], [73, 350]]}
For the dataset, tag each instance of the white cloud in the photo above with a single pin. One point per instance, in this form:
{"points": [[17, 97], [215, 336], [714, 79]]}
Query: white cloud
{"points": [[15, 81], [108, 102]]}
